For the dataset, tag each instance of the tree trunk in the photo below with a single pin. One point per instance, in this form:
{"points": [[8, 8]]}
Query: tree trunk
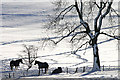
{"points": [[96, 60]]}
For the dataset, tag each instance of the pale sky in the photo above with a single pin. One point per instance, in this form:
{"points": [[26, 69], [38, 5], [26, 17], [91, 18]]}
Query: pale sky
{"points": [[40, 0], [25, 0]]}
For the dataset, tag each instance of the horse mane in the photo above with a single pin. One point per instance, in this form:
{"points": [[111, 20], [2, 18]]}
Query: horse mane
{"points": [[37, 61], [20, 59]]}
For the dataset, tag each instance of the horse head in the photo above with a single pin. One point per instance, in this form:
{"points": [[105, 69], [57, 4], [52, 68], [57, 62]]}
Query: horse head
{"points": [[21, 61], [36, 62], [59, 68]]}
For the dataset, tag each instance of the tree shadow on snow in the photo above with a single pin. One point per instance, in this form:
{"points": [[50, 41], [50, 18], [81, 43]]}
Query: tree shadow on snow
{"points": [[88, 73]]}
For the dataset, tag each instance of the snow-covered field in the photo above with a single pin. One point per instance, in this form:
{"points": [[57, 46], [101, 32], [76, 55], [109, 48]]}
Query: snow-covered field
{"points": [[22, 23]]}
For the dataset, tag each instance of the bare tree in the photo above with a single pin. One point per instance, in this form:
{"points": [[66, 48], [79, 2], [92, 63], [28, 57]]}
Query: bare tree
{"points": [[82, 29], [29, 55]]}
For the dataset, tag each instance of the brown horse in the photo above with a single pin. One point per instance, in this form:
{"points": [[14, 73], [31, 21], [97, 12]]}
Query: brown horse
{"points": [[15, 63], [42, 65]]}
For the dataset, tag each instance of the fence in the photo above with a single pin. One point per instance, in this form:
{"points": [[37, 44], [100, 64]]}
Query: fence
{"points": [[23, 73]]}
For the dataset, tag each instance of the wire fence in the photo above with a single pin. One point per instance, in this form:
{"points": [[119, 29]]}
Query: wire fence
{"points": [[23, 73]]}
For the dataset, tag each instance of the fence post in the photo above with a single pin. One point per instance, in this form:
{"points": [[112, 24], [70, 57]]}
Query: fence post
{"points": [[23, 73], [9, 75], [27, 73], [103, 67], [39, 72], [13, 75], [84, 69], [67, 69], [109, 67], [76, 70]]}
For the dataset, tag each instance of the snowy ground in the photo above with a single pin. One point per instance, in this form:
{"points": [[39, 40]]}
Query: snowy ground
{"points": [[22, 24]]}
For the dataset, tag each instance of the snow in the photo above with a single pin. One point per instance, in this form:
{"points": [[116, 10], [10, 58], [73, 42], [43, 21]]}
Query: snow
{"points": [[23, 24], [97, 74]]}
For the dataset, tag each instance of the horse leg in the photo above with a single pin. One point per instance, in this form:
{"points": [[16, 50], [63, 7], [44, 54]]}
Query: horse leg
{"points": [[39, 72], [11, 68], [42, 70], [16, 67], [45, 70]]}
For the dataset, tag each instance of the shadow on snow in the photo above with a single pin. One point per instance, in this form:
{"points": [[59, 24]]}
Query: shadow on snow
{"points": [[33, 40]]}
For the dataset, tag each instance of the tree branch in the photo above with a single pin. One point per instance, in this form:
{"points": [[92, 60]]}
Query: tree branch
{"points": [[104, 15], [67, 12], [81, 10], [115, 12], [71, 6], [98, 16], [74, 35], [115, 37], [96, 4], [68, 34], [80, 47], [85, 24], [77, 8]]}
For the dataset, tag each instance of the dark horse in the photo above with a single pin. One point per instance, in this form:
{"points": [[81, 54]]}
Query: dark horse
{"points": [[15, 63], [57, 71], [42, 65]]}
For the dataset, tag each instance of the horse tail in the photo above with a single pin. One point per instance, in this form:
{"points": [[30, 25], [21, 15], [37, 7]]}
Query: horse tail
{"points": [[11, 65]]}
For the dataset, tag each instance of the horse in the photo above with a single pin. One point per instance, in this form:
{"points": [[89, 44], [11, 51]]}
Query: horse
{"points": [[57, 71], [42, 65], [15, 63]]}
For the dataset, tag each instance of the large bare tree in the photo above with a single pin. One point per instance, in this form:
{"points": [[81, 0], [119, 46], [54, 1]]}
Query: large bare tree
{"points": [[82, 29]]}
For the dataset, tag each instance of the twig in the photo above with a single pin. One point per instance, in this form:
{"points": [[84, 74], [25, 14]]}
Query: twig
{"points": [[81, 46], [96, 4], [115, 37], [68, 34], [77, 34], [115, 12], [104, 15], [63, 11], [98, 16], [67, 11]]}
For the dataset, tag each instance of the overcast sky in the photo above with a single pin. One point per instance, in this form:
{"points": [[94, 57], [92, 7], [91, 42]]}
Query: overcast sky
{"points": [[38, 0], [115, 4]]}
